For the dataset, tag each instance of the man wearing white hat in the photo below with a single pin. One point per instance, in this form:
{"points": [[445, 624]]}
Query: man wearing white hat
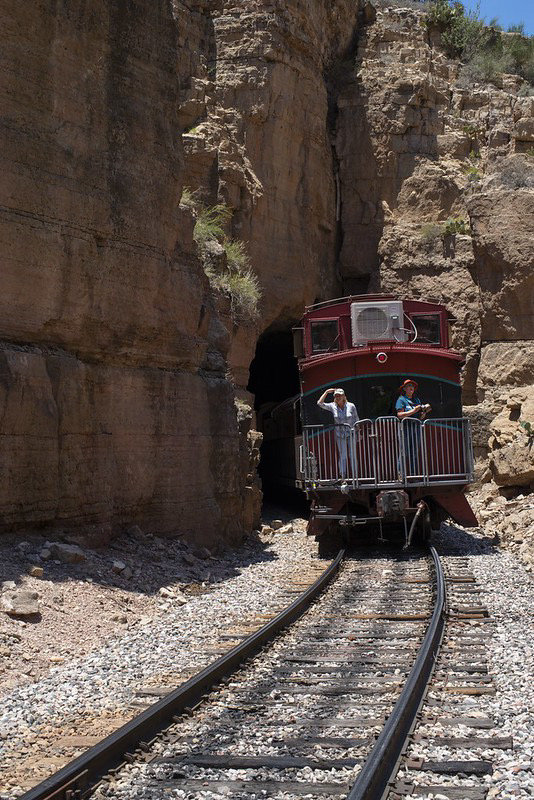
{"points": [[344, 414]]}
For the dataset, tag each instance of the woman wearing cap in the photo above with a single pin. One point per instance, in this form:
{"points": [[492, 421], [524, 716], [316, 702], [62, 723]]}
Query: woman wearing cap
{"points": [[409, 407], [344, 414]]}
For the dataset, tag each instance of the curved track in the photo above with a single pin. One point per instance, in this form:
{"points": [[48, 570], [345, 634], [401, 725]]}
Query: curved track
{"points": [[325, 709]]}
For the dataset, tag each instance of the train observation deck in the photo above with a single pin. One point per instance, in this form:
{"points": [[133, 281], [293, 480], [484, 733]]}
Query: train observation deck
{"points": [[387, 453]]}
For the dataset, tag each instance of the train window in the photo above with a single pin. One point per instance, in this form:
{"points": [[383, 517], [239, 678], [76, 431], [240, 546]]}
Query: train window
{"points": [[324, 336], [428, 328]]}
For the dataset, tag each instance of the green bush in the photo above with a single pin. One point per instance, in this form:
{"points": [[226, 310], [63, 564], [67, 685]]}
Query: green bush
{"points": [[473, 173], [472, 169], [189, 199], [461, 32], [238, 281], [473, 131], [236, 254], [210, 222], [244, 291], [487, 52], [456, 225], [528, 427]]}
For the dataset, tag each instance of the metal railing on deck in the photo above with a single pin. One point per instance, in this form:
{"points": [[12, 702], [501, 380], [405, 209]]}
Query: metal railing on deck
{"points": [[388, 452]]}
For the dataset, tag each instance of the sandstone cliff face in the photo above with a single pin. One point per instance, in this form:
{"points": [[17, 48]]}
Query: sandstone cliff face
{"points": [[407, 138], [116, 405], [256, 138], [111, 411]]}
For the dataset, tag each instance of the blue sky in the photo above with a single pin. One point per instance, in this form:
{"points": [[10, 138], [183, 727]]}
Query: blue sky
{"points": [[509, 12]]}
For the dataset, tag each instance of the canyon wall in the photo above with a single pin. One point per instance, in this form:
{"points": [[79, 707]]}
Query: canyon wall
{"points": [[415, 150], [337, 135], [111, 409], [116, 395]]}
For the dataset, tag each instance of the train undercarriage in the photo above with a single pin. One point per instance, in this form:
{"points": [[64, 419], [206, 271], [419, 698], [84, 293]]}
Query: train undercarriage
{"points": [[339, 518]]}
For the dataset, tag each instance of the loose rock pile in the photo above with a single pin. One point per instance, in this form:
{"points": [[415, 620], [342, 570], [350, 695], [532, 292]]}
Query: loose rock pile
{"points": [[80, 597]]}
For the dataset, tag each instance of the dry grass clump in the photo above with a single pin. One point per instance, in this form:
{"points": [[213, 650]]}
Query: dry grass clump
{"points": [[237, 278]]}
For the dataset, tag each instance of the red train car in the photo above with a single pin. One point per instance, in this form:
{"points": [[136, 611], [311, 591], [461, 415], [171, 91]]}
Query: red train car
{"points": [[381, 469]]}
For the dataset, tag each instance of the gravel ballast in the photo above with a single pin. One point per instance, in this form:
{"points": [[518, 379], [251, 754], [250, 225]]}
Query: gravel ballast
{"points": [[171, 640], [508, 595], [164, 647]]}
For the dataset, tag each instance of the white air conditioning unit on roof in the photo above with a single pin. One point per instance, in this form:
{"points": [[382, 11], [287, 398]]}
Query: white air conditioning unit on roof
{"points": [[373, 322]]}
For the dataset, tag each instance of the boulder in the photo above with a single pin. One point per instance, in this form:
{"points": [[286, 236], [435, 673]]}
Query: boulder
{"points": [[180, 598], [34, 571], [286, 528], [513, 465], [202, 552], [506, 364], [502, 220], [136, 533], [508, 425], [20, 603], [524, 130], [67, 553]]}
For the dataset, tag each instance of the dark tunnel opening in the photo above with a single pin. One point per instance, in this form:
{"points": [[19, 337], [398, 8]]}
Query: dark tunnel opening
{"points": [[273, 372], [274, 380]]}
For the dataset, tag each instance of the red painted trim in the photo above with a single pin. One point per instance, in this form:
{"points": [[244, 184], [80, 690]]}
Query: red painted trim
{"points": [[457, 506], [385, 347], [438, 364]]}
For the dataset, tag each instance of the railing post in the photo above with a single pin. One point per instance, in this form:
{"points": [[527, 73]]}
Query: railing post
{"points": [[424, 471], [402, 458]]}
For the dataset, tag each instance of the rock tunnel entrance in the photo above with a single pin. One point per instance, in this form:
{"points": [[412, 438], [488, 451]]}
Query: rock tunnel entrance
{"points": [[273, 370], [274, 379]]}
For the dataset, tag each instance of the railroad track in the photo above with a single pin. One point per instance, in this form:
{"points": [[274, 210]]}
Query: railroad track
{"points": [[456, 737], [325, 710]]}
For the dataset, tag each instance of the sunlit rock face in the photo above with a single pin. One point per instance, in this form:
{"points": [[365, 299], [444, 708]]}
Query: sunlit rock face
{"points": [[112, 410]]}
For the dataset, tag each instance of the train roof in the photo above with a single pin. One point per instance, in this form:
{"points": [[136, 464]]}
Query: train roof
{"points": [[429, 303], [355, 322]]}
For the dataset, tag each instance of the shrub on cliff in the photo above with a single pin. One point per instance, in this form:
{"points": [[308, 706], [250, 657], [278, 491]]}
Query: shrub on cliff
{"points": [[486, 50], [229, 270], [237, 280], [210, 222], [461, 32]]}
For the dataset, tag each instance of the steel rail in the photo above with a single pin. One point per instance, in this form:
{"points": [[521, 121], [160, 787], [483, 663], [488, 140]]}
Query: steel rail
{"points": [[78, 778], [381, 766]]}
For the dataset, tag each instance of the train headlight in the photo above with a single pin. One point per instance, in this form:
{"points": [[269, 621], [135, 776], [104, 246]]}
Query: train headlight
{"points": [[381, 358]]}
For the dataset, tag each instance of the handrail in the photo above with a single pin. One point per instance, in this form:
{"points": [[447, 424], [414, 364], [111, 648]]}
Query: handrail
{"points": [[389, 452]]}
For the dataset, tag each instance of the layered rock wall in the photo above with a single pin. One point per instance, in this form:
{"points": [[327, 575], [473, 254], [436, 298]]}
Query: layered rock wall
{"points": [[110, 412], [414, 150], [256, 137], [116, 401]]}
